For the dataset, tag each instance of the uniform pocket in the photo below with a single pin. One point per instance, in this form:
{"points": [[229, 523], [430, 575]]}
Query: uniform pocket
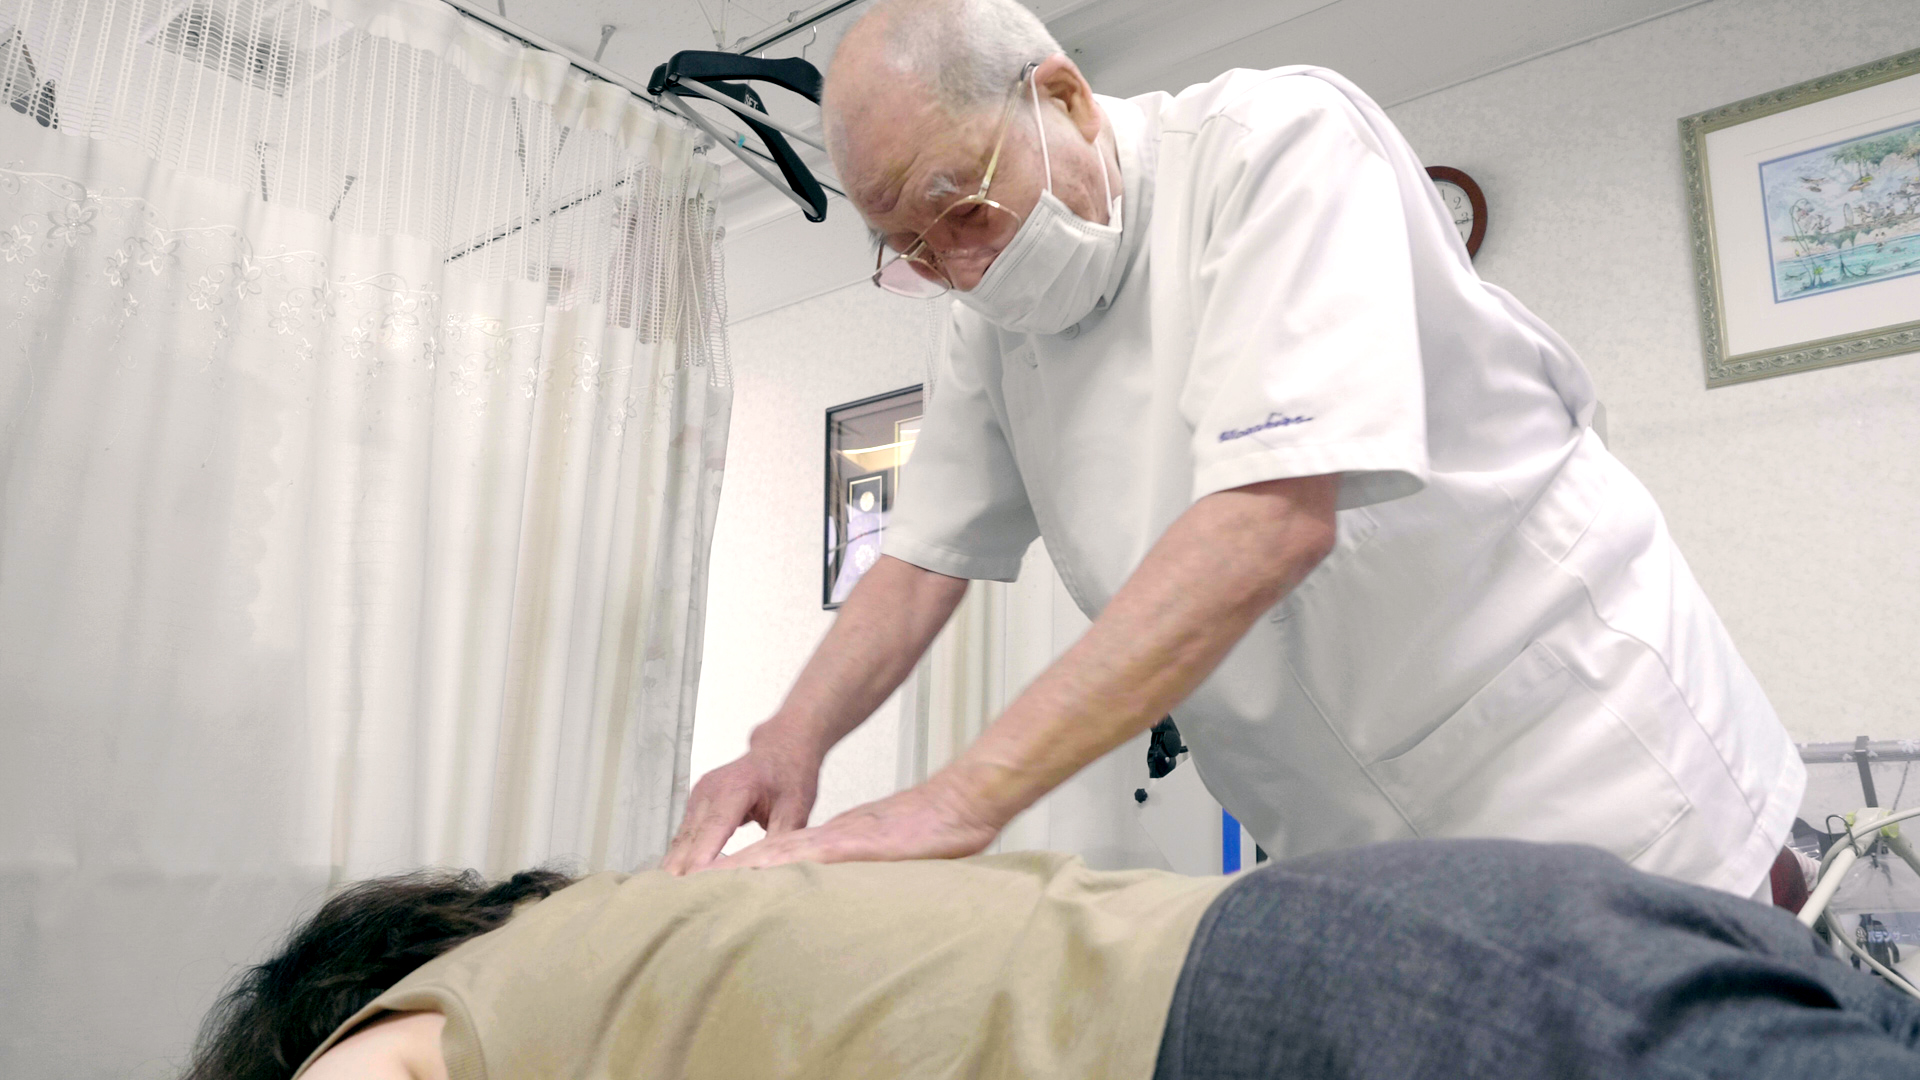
{"points": [[1535, 755]]}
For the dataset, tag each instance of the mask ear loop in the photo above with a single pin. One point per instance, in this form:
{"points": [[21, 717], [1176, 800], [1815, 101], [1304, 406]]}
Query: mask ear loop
{"points": [[1041, 124], [1106, 183]]}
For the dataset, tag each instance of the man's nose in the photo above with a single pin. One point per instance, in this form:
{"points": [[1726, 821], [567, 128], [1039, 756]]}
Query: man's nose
{"points": [[964, 271], [965, 282]]}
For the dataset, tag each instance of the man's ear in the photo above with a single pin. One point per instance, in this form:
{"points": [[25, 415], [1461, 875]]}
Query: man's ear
{"points": [[1060, 79]]}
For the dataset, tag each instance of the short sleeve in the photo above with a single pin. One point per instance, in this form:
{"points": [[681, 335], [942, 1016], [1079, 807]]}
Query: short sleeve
{"points": [[962, 509], [1306, 358]]}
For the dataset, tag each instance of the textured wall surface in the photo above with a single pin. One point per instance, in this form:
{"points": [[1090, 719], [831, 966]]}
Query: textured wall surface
{"points": [[1796, 499]]}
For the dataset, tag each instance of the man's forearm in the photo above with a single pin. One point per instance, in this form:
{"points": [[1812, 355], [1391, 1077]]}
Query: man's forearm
{"points": [[883, 628], [1229, 558]]}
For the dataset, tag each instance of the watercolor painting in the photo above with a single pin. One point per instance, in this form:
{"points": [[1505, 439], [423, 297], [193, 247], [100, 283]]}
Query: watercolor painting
{"points": [[1845, 214]]}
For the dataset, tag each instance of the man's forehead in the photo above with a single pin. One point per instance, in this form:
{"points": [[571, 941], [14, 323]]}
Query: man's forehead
{"points": [[915, 182], [896, 165]]}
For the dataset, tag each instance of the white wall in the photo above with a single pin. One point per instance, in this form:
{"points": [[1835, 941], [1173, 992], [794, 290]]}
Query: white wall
{"points": [[1796, 499]]}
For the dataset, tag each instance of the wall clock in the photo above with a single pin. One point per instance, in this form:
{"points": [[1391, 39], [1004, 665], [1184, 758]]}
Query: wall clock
{"points": [[1465, 202]]}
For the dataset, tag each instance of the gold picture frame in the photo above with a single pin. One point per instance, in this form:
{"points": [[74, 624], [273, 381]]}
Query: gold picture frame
{"points": [[1782, 190]]}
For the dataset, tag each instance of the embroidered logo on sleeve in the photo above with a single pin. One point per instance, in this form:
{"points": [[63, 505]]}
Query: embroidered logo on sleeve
{"points": [[1273, 420]]}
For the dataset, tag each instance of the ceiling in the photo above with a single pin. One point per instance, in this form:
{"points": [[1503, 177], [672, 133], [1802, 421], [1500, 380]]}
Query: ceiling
{"points": [[1394, 49], [646, 32]]}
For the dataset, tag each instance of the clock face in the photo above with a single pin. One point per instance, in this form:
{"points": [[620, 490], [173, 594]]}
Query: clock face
{"points": [[1459, 205], [1465, 204]]}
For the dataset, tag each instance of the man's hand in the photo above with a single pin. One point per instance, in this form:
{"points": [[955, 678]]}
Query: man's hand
{"points": [[879, 635], [925, 822], [771, 785], [1223, 563]]}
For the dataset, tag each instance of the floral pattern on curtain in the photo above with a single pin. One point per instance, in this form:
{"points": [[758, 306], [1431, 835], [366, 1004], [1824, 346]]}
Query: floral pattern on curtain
{"points": [[363, 406]]}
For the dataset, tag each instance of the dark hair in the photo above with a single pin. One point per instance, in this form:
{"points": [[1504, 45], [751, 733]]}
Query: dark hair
{"points": [[362, 941]]}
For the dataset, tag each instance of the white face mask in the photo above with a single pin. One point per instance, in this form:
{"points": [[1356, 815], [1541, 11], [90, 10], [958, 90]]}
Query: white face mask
{"points": [[1053, 271]]}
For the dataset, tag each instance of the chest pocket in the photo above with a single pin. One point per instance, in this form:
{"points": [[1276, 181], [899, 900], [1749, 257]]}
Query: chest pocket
{"points": [[1535, 755]]}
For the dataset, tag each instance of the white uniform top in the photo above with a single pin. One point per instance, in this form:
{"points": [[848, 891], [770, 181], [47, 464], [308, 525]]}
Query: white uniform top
{"points": [[1504, 641]]}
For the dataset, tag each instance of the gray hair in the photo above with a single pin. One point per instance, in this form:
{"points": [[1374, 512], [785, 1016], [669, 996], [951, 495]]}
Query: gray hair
{"points": [[967, 53]]}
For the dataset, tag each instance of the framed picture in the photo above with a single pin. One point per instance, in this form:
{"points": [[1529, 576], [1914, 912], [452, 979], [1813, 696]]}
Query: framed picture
{"points": [[1805, 213], [867, 443]]}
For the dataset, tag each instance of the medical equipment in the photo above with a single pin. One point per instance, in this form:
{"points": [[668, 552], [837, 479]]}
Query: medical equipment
{"points": [[1869, 831], [1866, 828], [1194, 833]]}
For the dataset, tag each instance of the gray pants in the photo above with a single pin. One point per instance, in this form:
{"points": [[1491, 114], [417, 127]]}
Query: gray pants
{"points": [[1470, 959]]}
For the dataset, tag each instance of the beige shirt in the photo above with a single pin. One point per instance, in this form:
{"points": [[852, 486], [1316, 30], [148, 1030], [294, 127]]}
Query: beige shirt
{"points": [[1025, 965]]}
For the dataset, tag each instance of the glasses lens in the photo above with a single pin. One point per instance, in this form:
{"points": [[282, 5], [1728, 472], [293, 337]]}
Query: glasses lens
{"points": [[967, 242], [910, 277]]}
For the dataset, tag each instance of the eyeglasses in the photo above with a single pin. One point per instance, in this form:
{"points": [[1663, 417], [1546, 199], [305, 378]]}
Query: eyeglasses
{"points": [[917, 271]]}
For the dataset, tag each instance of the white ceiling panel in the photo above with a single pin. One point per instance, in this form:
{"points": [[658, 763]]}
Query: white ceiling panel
{"points": [[1394, 49]]}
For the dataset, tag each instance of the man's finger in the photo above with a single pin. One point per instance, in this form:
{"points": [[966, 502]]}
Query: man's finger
{"points": [[774, 851], [789, 815], [705, 832]]}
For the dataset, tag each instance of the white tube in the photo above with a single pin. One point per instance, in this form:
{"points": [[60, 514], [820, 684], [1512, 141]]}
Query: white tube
{"points": [[1904, 850], [1860, 834], [1829, 884]]}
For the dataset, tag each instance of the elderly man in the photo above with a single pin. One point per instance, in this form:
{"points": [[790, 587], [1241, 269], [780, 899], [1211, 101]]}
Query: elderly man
{"points": [[1328, 497]]}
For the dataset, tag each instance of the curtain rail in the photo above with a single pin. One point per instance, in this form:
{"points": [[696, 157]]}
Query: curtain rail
{"points": [[594, 68], [796, 24], [528, 37]]}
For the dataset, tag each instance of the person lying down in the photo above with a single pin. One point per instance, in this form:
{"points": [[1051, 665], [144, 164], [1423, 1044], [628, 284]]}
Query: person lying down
{"points": [[1457, 959]]}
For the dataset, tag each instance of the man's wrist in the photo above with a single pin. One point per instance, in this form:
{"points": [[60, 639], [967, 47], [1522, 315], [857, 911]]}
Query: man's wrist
{"points": [[980, 792], [790, 734]]}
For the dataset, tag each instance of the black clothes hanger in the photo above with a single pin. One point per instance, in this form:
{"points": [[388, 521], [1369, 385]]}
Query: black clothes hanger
{"points": [[721, 77]]}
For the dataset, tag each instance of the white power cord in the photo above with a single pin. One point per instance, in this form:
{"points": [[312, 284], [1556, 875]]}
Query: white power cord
{"points": [[1863, 828]]}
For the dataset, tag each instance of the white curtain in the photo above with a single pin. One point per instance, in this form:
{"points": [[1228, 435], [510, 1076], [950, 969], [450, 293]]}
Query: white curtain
{"points": [[363, 401]]}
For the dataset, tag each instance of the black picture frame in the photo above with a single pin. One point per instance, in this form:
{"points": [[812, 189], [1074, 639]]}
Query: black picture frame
{"points": [[867, 441]]}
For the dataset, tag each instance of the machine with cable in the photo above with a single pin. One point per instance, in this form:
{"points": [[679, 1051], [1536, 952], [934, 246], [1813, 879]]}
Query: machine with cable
{"points": [[1871, 832]]}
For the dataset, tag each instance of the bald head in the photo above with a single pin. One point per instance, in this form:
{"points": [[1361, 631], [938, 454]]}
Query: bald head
{"points": [[965, 52], [919, 95]]}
